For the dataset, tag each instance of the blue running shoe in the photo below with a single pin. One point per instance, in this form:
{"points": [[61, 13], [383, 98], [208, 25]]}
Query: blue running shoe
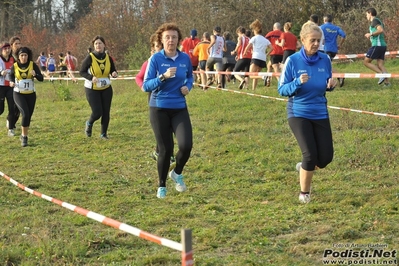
{"points": [[180, 186], [161, 193]]}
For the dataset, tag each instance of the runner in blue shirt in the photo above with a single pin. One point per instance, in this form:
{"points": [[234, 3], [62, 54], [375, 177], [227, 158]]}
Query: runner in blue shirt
{"points": [[331, 34], [305, 78], [169, 78]]}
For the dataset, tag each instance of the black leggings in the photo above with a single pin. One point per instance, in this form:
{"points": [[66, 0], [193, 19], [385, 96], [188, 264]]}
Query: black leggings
{"points": [[26, 105], [100, 103], [6, 93], [315, 140], [163, 121]]}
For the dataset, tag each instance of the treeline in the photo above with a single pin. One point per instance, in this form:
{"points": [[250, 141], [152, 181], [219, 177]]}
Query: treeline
{"points": [[58, 26]]}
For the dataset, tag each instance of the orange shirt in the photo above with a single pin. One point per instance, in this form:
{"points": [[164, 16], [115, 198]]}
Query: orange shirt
{"points": [[201, 50], [290, 41]]}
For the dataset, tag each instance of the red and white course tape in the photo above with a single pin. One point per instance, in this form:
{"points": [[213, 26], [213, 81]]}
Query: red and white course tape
{"points": [[187, 256]]}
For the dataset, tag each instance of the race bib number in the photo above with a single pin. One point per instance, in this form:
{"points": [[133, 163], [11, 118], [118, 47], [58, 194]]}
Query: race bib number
{"points": [[103, 82], [25, 86]]}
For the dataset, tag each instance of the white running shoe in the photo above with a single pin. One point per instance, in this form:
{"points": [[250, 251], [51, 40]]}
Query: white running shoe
{"points": [[298, 166], [11, 133], [304, 198]]}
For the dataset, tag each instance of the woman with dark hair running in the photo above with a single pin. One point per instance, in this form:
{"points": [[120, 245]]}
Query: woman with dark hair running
{"points": [[97, 68], [243, 59], [22, 74], [169, 76]]}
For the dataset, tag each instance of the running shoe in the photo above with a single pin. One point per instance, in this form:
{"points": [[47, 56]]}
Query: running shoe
{"points": [[24, 141], [387, 84], [154, 155], [381, 80], [11, 133], [88, 129], [242, 83], [104, 136], [304, 198], [267, 81], [161, 193], [298, 166], [341, 82], [178, 179]]}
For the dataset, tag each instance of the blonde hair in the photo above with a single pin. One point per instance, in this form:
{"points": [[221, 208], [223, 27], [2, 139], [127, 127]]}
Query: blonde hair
{"points": [[309, 27], [256, 26]]}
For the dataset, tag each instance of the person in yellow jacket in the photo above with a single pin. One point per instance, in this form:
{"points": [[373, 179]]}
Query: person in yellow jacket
{"points": [[97, 69], [22, 75]]}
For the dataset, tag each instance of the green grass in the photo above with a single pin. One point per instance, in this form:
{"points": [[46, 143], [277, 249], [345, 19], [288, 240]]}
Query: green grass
{"points": [[241, 202]]}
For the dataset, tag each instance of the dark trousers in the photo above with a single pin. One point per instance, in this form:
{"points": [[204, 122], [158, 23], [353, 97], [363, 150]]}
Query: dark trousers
{"points": [[7, 93], [163, 121], [100, 104], [26, 105], [315, 141]]}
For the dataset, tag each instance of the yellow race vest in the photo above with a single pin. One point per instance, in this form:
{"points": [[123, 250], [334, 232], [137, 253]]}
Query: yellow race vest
{"points": [[24, 79], [101, 70]]}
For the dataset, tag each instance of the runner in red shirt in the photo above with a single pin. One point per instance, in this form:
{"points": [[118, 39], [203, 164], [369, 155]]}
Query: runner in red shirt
{"points": [[276, 55], [188, 45]]}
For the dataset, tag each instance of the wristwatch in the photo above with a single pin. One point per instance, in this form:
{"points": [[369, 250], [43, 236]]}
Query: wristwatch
{"points": [[162, 78]]}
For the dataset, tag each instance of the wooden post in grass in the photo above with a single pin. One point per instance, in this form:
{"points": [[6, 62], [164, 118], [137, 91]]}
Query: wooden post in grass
{"points": [[187, 252]]}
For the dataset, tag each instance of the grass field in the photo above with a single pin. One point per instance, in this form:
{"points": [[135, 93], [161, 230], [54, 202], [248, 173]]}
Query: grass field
{"points": [[242, 199]]}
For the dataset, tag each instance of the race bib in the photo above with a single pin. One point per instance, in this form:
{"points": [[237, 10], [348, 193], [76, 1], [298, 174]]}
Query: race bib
{"points": [[25, 86], [103, 82]]}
